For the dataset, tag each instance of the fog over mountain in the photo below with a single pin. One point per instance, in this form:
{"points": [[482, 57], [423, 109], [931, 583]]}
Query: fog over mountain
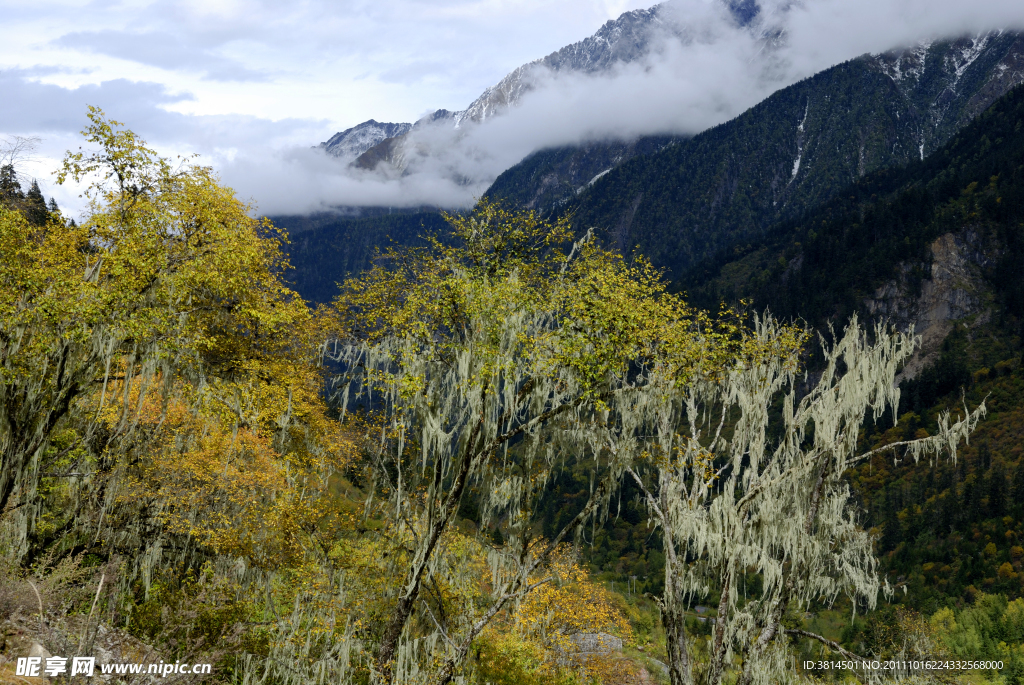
{"points": [[678, 68]]}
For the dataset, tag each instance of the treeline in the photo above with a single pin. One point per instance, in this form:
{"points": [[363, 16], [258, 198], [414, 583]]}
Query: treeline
{"points": [[31, 204]]}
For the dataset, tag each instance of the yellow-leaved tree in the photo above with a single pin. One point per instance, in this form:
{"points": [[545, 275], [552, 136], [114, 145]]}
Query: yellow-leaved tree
{"points": [[162, 401], [562, 631], [170, 286], [495, 358]]}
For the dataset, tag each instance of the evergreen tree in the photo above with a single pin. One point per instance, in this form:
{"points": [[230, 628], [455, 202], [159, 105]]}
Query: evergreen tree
{"points": [[1017, 493], [891, 526], [997, 492], [947, 512], [10, 189], [973, 493], [35, 206], [969, 502], [984, 457]]}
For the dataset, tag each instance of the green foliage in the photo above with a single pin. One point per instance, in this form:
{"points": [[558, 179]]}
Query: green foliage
{"points": [[191, 613]]}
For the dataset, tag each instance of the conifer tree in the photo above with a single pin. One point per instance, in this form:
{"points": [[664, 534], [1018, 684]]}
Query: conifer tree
{"points": [[10, 187], [997, 491], [1017, 492], [34, 205]]}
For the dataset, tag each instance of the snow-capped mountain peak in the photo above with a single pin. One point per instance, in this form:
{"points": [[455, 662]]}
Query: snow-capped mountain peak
{"points": [[354, 141]]}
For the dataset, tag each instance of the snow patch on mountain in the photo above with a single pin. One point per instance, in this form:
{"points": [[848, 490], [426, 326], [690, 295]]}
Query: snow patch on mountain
{"points": [[800, 142], [354, 141]]}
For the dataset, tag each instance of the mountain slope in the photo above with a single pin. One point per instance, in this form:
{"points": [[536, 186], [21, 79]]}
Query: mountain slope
{"points": [[791, 151], [330, 249], [875, 247], [551, 177], [632, 37], [620, 41], [680, 201]]}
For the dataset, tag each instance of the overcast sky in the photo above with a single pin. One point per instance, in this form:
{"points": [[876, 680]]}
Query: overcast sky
{"points": [[251, 85]]}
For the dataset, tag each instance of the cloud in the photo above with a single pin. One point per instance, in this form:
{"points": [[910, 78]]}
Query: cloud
{"points": [[704, 69], [162, 50], [48, 108], [304, 180], [58, 113]]}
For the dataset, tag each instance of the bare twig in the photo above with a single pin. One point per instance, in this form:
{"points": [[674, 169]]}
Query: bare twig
{"points": [[96, 599], [40, 600]]}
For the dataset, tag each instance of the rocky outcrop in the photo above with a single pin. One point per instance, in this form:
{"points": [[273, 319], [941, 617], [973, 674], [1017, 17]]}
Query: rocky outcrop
{"points": [[931, 297]]}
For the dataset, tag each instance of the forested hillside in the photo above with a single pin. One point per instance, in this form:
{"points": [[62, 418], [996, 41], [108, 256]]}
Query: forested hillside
{"points": [[782, 157], [551, 177], [330, 249], [939, 244]]}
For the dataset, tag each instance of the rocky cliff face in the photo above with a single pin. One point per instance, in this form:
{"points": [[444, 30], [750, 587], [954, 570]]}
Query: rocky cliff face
{"points": [[943, 85], [953, 290]]}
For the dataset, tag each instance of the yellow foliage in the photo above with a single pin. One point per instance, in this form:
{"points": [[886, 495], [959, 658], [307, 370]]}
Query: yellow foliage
{"points": [[540, 637], [943, 622], [607, 313], [169, 280]]}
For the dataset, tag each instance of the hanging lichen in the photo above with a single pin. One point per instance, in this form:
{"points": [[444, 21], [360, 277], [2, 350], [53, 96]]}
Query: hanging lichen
{"points": [[731, 500]]}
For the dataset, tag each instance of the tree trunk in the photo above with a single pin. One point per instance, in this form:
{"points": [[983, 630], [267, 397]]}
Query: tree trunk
{"points": [[720, 647], [768, 633], [680, 671], [774, 623], [384, 659]]}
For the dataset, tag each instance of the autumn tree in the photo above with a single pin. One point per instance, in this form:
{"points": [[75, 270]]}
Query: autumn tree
{"points": [[494, 358], [738, 488], [169, 281], [555, 629]]}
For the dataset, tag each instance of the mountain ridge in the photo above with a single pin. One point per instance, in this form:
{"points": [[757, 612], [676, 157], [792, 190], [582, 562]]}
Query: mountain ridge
{"points": [[789, 152]]}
